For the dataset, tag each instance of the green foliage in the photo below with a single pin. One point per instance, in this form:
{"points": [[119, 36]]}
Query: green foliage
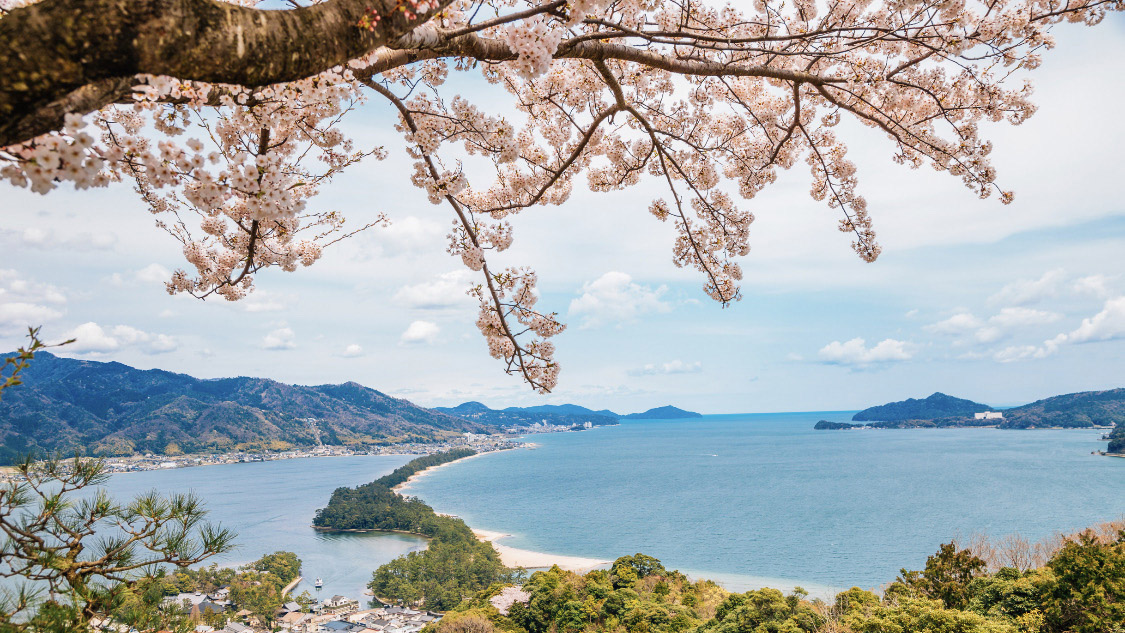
{"points": [[455, 565], [655, 600], [936, 406], [764, 611], [375, 506], [418, 464], [1117, 439], [1010, 593], [946, 577], [1088, 592], [283, 565], [918, 615], [442, 575]]}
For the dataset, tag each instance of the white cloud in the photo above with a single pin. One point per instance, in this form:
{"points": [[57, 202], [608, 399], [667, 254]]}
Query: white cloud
{"points": [[20, 314], [1025, 291], [1096, 285], [856, 353], [352, 351], [410, 235], [153, 274], [445, 291], [1014, 353], [48, 239], [91, 338], [264, 301], [279, 339], [614, 298], [960, 323], [672, 367], [998, 326], [1022, 317], [26, 303], [420, 332], [1107, 325]]}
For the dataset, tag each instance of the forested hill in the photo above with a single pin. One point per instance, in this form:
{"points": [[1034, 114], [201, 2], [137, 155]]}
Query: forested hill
{"points": [[114, 409], [936, 406], [1087, 408], [663, 413], [561, 415]]}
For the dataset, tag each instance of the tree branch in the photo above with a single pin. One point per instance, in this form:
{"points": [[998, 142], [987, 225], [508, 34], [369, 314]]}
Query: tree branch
{"points": [[64, 56]]}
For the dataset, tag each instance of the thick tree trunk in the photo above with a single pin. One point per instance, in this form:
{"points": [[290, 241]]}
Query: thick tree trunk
{"points": [[60, 56]]}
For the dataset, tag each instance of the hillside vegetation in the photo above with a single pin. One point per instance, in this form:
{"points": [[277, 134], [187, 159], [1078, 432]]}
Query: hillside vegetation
{"points": [[936, 406], [113, 409], [374, 506], [1085, 409], [1079, 588], [560, 415], [453, 567]]}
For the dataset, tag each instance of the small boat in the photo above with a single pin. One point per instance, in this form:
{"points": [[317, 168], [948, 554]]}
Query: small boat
{"points": [[319, 583]]}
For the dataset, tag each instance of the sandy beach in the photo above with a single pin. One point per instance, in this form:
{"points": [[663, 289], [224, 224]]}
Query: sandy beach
{"points": [[422, 473], [513, 557]]}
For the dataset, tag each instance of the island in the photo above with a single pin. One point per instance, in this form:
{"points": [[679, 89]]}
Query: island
{"points": [[937, 406], [1082, 410], [663, 413], [825, 425]]}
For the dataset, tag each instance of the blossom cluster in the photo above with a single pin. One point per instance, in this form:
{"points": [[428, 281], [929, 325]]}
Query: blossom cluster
{"points": [[703, 105]]}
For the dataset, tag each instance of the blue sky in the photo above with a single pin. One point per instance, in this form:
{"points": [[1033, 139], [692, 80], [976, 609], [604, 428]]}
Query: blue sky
{"points": [[1001, 304]]}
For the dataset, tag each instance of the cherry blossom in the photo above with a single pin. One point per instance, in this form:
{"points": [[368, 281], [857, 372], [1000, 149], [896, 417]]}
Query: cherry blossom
{"points": [[702, 105]]}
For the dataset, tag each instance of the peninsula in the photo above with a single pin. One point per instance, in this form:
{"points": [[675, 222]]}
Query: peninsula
{"points": [[1086, 409]]}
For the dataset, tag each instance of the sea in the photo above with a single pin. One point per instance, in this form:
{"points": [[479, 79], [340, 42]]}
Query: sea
{"points": [[747, 500]]}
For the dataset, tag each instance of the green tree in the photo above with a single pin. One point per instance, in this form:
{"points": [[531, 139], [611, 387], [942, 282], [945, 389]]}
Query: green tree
{"points": [[907, 614], [764, 611], [1088, 592], [946, 577], [284, 565], [263, 599], [91, 553]]}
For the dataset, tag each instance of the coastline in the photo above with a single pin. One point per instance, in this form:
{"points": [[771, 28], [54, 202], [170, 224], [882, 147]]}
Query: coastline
{"points": [[409, 480], [512, 556]]}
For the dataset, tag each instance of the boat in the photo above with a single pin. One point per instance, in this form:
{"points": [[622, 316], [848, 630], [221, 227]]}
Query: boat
{"points": [[319, 583]]}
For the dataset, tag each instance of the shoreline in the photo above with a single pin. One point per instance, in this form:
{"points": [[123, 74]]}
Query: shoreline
{"points": [[510, 556]]}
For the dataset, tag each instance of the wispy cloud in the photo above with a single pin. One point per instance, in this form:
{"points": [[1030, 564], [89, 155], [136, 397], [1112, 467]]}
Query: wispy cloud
{"points": [[614, 298], [672, 367], [93, 339], [280, 339], [855, 352], [420, 332], [443, 292]]}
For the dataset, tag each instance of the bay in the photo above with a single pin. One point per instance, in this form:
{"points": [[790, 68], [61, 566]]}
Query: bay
{"points": [[271, 506], [763, 499]]}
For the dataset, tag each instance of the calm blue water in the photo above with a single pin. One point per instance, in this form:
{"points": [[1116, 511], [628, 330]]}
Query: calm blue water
{"points": [[763, 498], [271, 506]]}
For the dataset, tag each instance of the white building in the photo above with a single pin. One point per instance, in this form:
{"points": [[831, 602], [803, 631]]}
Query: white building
{"points": [[989, 415]]}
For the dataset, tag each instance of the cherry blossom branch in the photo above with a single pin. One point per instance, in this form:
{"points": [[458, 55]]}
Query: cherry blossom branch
{"points": [[63, 56]]}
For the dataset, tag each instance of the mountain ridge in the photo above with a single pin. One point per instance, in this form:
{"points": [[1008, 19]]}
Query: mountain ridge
{"points": [[112, 409], [937, 405]]}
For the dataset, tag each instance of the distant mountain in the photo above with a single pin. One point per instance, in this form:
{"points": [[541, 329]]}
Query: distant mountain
{"points": [[1117, 440], [114, 409], [558, 415], [936, 406], [1085, 409], [663, 413], [1076, 410], [825, 425], [564, 409]]}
